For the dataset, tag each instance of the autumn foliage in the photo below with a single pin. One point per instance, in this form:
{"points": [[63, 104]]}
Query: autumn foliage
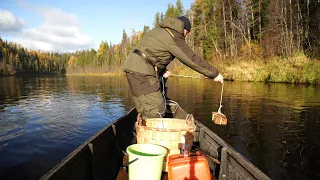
{"points": [[244, 39]]}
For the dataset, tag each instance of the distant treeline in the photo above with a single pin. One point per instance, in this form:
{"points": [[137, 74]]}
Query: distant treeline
{"points": [[16, 59], [272, 39]]}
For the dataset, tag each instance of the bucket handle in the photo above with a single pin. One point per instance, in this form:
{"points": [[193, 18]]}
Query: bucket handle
{"points": [[190, 118], [130, 162]]}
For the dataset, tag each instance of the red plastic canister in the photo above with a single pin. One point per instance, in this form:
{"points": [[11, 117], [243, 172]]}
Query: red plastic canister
{"points": [[190, 167]]}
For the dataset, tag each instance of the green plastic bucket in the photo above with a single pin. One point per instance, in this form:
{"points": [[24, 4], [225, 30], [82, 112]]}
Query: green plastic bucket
{"points": [[145, 161]]}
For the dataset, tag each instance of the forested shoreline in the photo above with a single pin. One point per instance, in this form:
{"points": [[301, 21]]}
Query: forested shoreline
{"points": [[247, 40]]}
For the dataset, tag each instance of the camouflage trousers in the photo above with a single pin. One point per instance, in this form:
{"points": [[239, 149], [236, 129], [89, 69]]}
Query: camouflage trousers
{"points": [[147, 95]]}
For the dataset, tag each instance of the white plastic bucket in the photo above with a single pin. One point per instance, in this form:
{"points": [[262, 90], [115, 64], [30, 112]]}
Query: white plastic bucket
{"points": [[145, 161]]}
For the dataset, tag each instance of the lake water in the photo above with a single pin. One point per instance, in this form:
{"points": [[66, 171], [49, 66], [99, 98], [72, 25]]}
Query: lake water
{"points": [[44, 118]]}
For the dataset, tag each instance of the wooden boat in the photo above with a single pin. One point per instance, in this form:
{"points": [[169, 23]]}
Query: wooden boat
{"points": [[101, 156]]}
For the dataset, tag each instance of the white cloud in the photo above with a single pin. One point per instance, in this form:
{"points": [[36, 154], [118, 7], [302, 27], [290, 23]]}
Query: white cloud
{"points": [[10, 23], [59, 31]]}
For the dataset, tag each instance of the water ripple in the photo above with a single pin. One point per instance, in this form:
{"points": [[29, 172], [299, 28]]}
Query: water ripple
{"points": [[275, 126]]}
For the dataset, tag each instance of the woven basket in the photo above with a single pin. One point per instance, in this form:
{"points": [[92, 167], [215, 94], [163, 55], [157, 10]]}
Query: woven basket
{"points": [[166, 132]]}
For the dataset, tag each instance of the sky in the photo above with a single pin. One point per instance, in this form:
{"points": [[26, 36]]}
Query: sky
{"points": [[70, 25]]}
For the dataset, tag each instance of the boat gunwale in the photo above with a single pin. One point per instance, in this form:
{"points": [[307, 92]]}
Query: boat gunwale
{"points": [[80, 148], [251, 168]]}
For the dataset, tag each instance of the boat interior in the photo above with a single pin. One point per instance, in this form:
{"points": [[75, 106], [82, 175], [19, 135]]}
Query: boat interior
{"points": [[103, 156]]}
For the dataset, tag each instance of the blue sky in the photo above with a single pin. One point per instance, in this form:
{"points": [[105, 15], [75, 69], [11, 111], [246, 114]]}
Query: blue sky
{"points": [[69, 25]]}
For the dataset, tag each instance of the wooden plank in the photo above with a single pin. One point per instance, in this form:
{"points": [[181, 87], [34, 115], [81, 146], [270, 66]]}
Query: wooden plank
{"points": [[82, 172], [245, 165], [208, 134], [124, 130], [244, 169], [224, 164], [237, 171], [106, 157], [210, 142], [234, 166], [74, 162], [81, 164], [212, 147]]}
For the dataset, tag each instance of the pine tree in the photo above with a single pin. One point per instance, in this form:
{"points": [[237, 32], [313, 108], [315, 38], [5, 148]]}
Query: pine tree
{"points": [[171, 11], [157, 20], [179, 8]]}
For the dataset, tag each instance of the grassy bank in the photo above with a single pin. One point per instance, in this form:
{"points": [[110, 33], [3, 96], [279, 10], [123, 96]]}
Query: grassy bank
{"points": [[98, 74], [296, 69]]}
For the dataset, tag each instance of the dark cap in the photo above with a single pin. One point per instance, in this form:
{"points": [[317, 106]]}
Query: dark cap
{"points": [[186, 23]]}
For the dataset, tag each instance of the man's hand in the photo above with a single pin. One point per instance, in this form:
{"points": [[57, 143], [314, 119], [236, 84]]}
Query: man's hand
{"points": [[219, 78], [166, 74]]}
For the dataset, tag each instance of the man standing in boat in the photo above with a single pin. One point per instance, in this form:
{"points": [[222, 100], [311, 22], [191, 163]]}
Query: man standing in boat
{"points": [[149, 59]]}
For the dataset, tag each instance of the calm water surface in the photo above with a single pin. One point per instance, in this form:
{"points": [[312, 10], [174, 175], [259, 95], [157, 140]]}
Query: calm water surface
{"points": [[44, 118]]}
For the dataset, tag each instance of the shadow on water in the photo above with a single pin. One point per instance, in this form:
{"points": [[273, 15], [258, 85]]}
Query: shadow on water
{"points": [[44, 118]]}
